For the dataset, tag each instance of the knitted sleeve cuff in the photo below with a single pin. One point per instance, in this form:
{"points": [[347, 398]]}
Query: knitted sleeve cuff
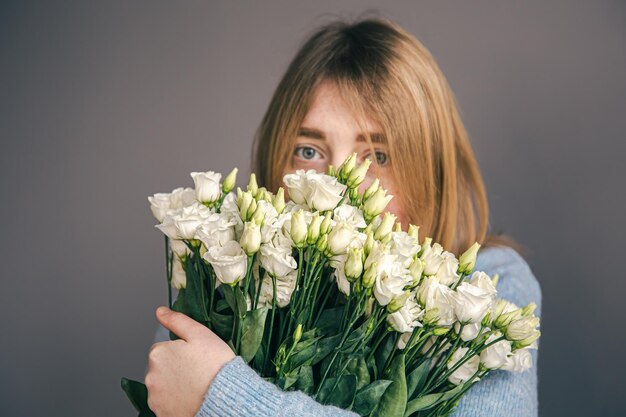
{"points": [[238, 390]]}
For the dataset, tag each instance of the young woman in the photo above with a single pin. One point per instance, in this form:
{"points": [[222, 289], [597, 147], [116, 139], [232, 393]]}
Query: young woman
{"points": [[373, 89]]}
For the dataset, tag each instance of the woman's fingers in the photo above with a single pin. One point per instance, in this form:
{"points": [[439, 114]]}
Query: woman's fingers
{"points": [[183, 326]]}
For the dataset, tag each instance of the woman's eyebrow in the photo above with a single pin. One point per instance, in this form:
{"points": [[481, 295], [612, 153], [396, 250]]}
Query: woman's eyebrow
{"points": [[311, 133], [376, 138]]}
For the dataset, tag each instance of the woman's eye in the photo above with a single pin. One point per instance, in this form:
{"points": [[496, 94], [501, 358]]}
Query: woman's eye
{"points": [[306, 152], [381, 158]]}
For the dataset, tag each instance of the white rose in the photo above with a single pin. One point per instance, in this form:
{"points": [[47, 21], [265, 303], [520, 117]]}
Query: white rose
{"points": [[390, 281], [208, 187], [433, 295], [179, 248], [519, 361], [432, 257], [404, 246], [403, 340], [447, 269], [229, 262], [284, 289], [471, 303], [217, 230], [342, 281], [340, 238], [349, 214], [183, 223], [407, 318], [179, 278], [496, 355], [465, 371], [277, 260], [162, 204], [318, 191], [469, 332], [482, 280]]}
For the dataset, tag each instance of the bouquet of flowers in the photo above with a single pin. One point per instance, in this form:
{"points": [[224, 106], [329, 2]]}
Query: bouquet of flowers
{"points": [[327, 295]]}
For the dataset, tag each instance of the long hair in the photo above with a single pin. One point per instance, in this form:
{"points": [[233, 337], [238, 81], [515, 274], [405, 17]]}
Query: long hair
{"points": [[383, 72]]}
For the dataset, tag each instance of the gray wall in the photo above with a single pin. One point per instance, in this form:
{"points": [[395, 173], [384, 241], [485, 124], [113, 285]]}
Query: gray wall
{"points": [[103, 104]]}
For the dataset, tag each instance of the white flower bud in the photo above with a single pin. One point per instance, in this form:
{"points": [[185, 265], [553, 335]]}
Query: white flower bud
{"points": [[298, 230], [467, 261], [376, 204], [347, 166], [279, 200], [251, 238], [414, 231], [522, 329], [326, 223], [354, 264], [415, 269], [229, 182], [385, 227], [398, 302], [369, 278], [371, 189], [314, 229], [358, 174], [253, 187]]}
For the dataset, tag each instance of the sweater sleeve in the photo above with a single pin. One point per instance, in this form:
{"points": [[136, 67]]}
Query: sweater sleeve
{"points": [[238, 391], [502, 393]]}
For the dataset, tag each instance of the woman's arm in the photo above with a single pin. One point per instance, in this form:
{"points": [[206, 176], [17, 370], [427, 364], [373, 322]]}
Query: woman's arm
{"points": [[195, 374], [511, 394], [238, 390]]}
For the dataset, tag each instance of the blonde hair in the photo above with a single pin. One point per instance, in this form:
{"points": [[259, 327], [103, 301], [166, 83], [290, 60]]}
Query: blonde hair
{"points": [[384, 72]]}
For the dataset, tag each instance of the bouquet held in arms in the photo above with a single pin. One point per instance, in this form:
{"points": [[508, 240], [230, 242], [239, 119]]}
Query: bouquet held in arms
{"points": [[327, 295]]}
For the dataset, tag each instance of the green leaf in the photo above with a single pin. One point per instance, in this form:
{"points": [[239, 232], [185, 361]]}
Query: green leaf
{"points": [[393, 401], [303, 355], [221, 324], [242, 306], [325, 346], [137, 393], [429, 401], [229, 295], [329, 320], [340, 392], [221, 305], [416, 379], [371, 364], [305, 382], [252, 333], [366, 399], [383, 352], [357, 366]]}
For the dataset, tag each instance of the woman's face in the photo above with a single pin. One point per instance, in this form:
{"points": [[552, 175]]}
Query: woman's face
{"points": [[330, 133]]}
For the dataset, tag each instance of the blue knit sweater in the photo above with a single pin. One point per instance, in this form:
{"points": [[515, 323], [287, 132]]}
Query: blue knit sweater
{"points": [[238, 391]]}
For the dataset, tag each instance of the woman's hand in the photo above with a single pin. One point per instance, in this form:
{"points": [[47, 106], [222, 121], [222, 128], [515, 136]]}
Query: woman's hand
{"points": [[180, 371]]}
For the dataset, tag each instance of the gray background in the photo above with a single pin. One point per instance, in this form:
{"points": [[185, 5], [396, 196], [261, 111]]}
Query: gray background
{"points": [[104, 104]]}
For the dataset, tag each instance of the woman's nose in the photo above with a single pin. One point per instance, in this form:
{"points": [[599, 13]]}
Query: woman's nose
{"points": [[339, 157]]}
